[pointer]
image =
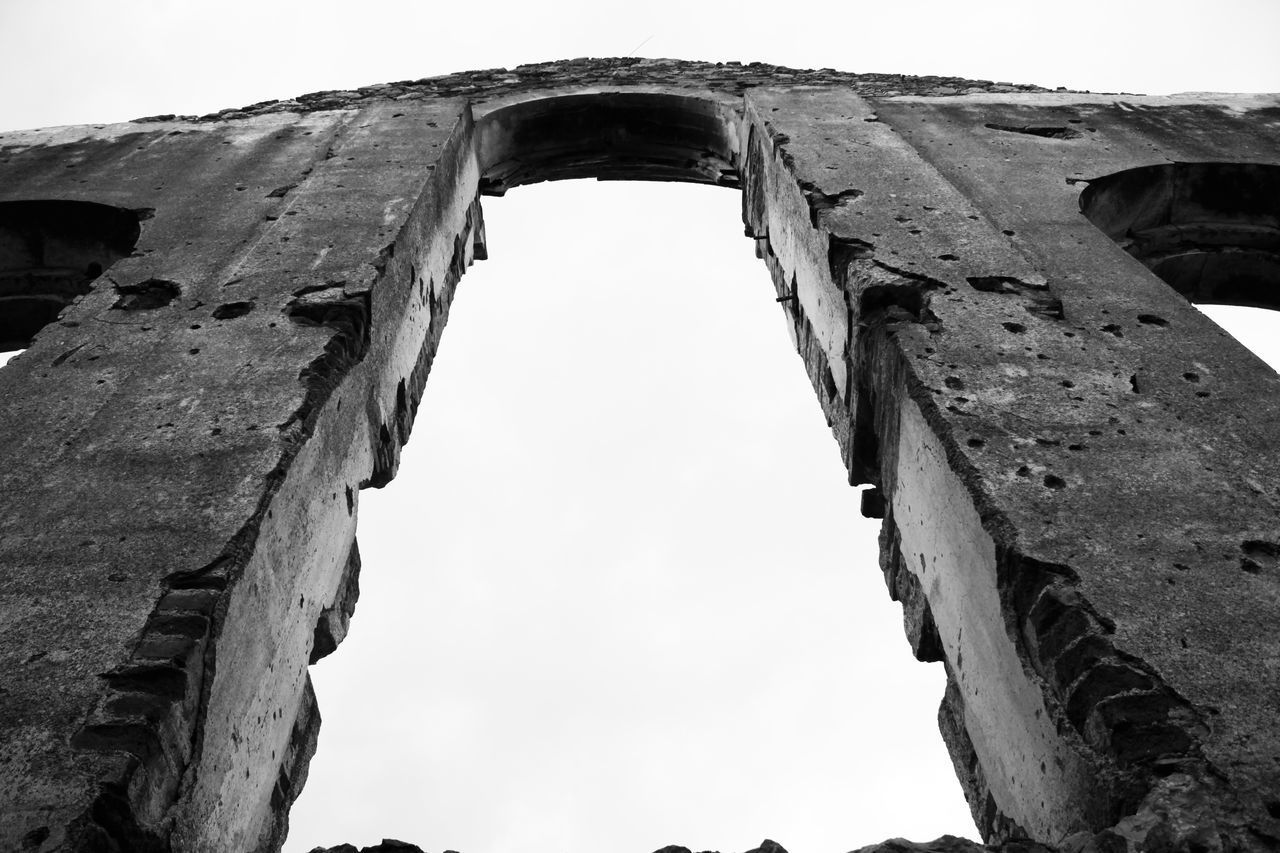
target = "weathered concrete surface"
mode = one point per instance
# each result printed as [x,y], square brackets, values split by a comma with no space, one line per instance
[1077,471]
[194,504]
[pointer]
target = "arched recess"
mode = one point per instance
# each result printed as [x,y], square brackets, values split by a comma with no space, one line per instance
[1209,230]
[50,252]
[615,136]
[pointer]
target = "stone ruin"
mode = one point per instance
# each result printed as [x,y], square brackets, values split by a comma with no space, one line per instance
[229,320]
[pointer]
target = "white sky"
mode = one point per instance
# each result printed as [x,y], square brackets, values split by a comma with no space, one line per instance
[620,596]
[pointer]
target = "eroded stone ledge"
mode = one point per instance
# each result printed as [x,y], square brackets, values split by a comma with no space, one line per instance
[733,77]
[942,844]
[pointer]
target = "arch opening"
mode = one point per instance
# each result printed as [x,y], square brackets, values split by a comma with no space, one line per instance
[50,253]
[1211,231]
[690,668]
[618,136]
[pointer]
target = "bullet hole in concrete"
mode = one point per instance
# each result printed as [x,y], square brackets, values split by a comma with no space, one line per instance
[1152,320]
[976,442]
[1202,393]
[1075,447]
[1052,481]
[1183,641]
[35,837]
[954,383]
[1000,284]
[1067,383]
[1024,471]
[1133,383]
[1191,377]
[1016,328]
[193,351]
[195,326]
[948,257]
[216,431]
[147,295]
[231,310]
[1042,131]
[1259,554]
[1008,233]
[1113,329]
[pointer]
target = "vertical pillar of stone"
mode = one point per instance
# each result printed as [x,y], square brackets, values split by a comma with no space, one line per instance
[183,452]
[1018,389]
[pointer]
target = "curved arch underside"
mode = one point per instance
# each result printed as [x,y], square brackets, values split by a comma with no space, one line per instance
[1210,230]
[615,136]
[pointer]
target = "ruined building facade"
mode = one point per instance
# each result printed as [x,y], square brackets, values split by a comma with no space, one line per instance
[231,318]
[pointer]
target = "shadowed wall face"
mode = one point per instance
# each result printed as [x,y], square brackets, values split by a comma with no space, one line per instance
[50,252]
[1069,524]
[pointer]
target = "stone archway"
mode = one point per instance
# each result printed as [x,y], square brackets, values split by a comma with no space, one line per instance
[1087,544]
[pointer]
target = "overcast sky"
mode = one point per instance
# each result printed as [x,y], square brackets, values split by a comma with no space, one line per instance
[620,596]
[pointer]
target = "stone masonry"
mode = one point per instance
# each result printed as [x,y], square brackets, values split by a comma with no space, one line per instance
[229,321]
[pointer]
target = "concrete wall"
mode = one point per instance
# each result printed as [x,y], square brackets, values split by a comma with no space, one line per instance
[1076,470]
